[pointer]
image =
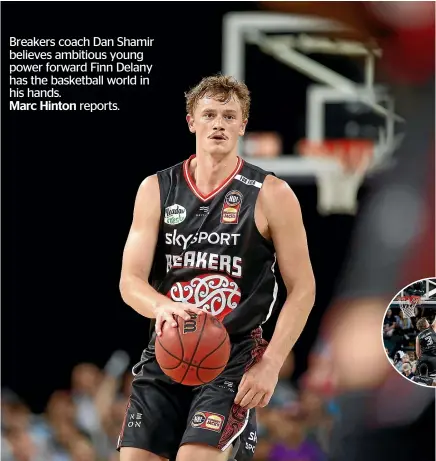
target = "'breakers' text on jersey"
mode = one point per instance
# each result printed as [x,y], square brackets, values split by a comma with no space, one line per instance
[202,260]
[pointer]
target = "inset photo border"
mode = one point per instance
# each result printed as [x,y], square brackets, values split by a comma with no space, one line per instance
[409,332]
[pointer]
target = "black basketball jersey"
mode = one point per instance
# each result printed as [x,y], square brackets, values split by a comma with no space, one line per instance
[210,252]
[427,341]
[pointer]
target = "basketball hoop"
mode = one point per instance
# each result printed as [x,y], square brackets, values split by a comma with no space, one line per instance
[408,305]
[338,187]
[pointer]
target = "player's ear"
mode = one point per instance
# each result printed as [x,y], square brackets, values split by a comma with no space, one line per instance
[242,129]
[190,120]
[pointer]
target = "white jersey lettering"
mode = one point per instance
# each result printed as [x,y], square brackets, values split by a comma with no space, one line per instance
[179,240]
[232,265]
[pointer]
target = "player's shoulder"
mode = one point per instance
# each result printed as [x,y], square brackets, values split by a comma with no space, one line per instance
[148,185]
[254,169]
[171,168]
[168,177]
[161,177]
[271,183]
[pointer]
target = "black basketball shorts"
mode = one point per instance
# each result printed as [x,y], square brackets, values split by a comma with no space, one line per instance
[162,415]
[430,361]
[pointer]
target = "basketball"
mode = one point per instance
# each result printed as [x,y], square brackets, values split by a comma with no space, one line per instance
[195,352]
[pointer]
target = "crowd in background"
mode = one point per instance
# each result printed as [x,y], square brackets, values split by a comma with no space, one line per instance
[83,422]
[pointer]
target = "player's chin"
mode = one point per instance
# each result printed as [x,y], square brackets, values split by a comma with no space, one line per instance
[221,147]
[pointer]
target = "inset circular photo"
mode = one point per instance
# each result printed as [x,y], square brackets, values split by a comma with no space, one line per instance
[409,332]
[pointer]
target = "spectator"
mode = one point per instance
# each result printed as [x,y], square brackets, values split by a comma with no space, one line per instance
[400,358]
[407,370]
[85,381]
[389,324]
[293,426]
[285,394]
[404,325]
[390,358]
[82,450]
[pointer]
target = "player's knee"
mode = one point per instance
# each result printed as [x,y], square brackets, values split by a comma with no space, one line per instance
[201,452]
[136,454]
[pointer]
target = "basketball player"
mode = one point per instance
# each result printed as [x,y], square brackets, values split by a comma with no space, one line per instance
[217,222]
[426,344]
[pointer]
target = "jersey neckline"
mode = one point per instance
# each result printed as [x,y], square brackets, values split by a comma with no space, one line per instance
[225,183]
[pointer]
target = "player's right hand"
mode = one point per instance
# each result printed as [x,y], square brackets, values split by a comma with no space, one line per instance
[169,312]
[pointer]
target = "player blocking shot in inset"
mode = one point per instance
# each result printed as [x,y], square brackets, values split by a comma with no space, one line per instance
[409,332]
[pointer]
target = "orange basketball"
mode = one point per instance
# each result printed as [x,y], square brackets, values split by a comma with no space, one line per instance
[195,352]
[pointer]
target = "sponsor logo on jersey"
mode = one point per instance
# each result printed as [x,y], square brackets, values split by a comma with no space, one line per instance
[214,293]
[203,211]
[252,442]
[207,420]
[174,214]
[213,238]
[231,207]
[135,420]
[214,422]
[227,385]
[249,182]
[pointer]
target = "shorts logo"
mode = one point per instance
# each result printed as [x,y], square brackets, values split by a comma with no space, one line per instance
[198,419]
[174,214]
[207,420]
[231,207]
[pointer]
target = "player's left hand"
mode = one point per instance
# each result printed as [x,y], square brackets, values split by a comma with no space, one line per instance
[257,385]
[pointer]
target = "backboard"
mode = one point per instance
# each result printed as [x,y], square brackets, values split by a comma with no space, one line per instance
[337,106]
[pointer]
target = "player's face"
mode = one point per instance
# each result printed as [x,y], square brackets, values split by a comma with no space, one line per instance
[217,125]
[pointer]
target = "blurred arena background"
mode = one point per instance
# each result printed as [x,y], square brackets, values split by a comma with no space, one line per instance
[346,116]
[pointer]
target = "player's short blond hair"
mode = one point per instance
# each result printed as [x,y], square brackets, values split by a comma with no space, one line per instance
[420,324]
[221,88]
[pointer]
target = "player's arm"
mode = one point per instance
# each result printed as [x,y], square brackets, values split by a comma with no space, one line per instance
[285,223]
[282,211]
[138,257]
[417,348]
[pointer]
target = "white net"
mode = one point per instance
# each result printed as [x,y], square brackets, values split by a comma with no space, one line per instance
[408,305]
[337,191]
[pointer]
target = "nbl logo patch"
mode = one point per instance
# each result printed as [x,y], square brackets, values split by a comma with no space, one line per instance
[206,420]
[198,419]
[231,207]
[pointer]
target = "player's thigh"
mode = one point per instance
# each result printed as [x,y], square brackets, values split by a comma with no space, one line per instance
[428,361]
[200,452]
[137,454]
[431,364]
[156,414]
[214,418]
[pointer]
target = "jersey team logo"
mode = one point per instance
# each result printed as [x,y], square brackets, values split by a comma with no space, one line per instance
[231,207]
[174,214]
[206,420]
[214,293]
